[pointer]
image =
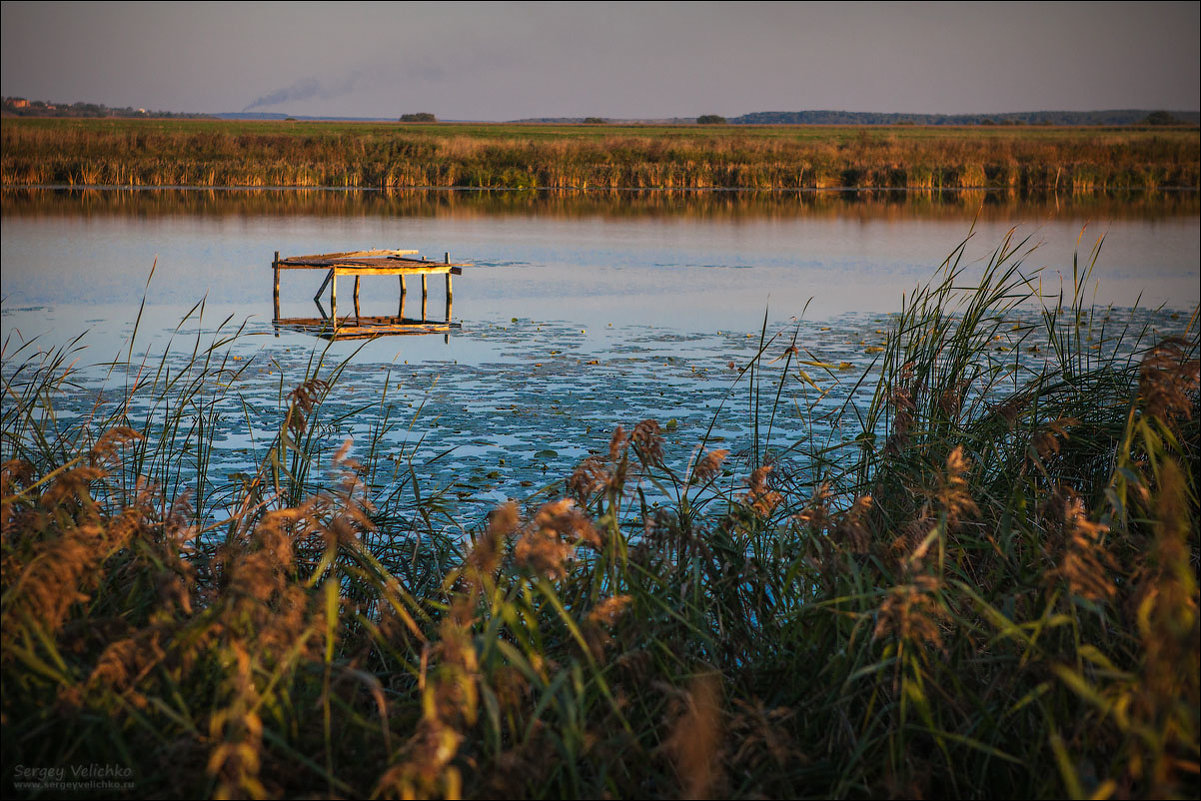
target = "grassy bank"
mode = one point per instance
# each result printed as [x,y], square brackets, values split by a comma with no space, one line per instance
[987,590]
[226,153]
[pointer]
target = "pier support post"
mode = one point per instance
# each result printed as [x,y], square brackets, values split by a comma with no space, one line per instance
[356,298]
[424,294]
[403,291]
[275,292]
[333,296]
[450,291]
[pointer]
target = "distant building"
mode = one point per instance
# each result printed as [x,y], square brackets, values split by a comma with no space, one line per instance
[20,102]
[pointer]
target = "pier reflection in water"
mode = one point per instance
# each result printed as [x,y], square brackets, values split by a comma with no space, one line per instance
[364,327]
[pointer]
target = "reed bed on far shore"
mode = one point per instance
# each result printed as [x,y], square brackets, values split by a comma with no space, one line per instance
[892,204]
[225,153]
[988,589]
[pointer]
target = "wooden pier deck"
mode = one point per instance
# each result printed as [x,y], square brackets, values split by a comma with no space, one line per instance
[360,263]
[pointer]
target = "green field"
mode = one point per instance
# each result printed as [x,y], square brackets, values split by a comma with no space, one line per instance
[369,155]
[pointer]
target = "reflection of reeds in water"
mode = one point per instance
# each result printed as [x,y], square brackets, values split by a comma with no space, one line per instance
[985,585]
[995,205]
[129,153]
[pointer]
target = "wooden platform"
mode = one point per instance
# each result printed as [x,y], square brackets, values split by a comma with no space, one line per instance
[359,263]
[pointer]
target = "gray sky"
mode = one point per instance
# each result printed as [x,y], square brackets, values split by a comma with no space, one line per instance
[498,61]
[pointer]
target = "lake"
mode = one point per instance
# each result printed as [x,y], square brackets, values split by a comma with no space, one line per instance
[582,312]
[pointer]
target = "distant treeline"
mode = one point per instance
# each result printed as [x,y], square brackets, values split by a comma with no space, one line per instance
[363,155]
[21,107]
[1111,117]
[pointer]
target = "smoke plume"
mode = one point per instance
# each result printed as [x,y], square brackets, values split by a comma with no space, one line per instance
[305,89]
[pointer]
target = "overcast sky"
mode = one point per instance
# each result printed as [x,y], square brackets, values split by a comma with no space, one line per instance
[500,61]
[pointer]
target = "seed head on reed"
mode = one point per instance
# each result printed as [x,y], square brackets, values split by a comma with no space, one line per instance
[54,555]
[105,449]
[125,663]
[760,497]
[951,400]
[648,442]
[709,466]
[1165,613]
[303,400]
[1168,381]
[455,691]
[609,610]
[904,407]
[549,541]
[953,495]
[1086,564]
[816,514]
[1047,439]
[485,555]
[596,472]
[425,771]
[617,444]
[601,619]
[237,731]
[852,530]
[912,612]
[450,700]
[15,475]
[260,599]
[590,476]
[695,739]
[1011,409]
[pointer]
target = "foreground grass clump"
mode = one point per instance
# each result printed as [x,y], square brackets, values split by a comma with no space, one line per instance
[213,153]
[990,591]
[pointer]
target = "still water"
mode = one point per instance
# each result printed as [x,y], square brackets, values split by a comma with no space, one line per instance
[580,314]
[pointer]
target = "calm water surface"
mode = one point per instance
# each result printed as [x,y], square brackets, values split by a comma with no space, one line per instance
[578,316]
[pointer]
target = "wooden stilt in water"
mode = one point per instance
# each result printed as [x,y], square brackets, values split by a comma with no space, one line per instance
[356,298]
[328,277]
[401,312]
[424,294]
[450,292]
[333,296]
[275,292]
